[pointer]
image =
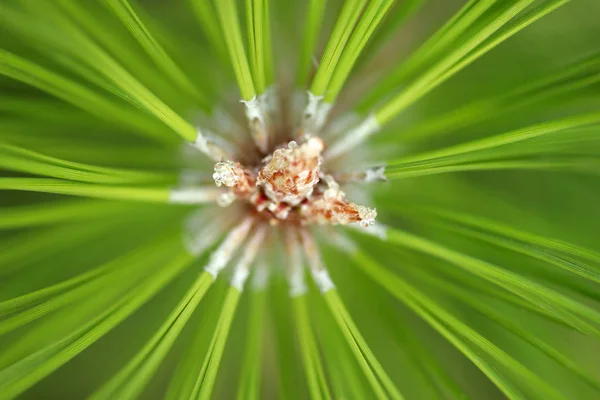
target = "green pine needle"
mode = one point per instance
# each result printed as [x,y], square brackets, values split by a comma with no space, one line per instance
[131,380]
[372,17]
[133,23]
[22,160]
[160,195]
[317,384]
[205,380]
[371,367]
[464,53]
[348,17]
[249,386]
[259,41]
[230,26]
[20,376]
[314,19]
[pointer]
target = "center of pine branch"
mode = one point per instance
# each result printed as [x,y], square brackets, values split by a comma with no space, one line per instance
[290,185]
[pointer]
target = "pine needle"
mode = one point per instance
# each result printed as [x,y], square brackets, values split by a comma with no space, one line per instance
[125,12]
[395,20]
[463,151]
[283,336]
[347,19]
[71,92]
[17,253]
[130,381]
[508,324]
[346,377]
[437,317]
[116,41]
[157,195]
[516,26]
[249,386]
[182,381]
[559,85]
[457,59]
[205,381]
[259,41]
[492,234]
[137,93]
[369,364]
[31,298]
[550,245]
[230,25]
[20,376]
[50,213]
[270,65]
[313,368]
[372,17]
[205,12]
[312,27]
[107,275]
[575,165]
[567,309]
[14,158]
[439,42]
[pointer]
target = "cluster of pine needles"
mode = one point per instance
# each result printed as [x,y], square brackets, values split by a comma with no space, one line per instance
[485,285]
